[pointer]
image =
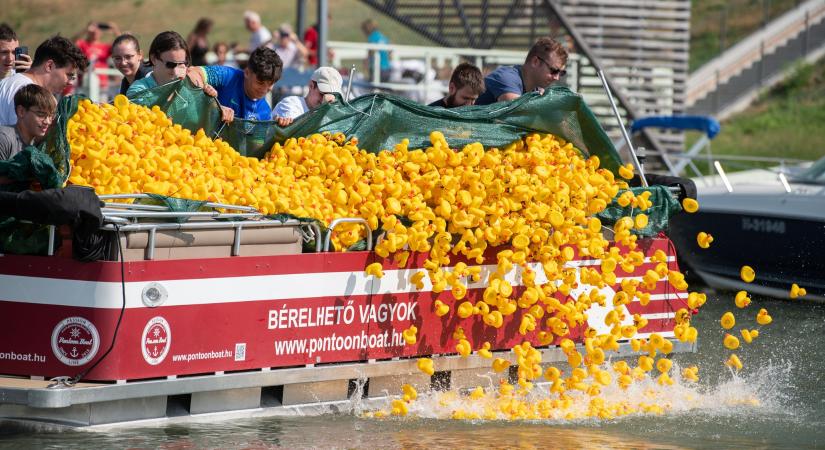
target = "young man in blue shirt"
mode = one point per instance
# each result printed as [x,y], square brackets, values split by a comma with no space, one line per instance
[242,93]
[545,63]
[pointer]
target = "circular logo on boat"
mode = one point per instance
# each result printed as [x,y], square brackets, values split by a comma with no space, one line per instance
[75,341]
[156,340]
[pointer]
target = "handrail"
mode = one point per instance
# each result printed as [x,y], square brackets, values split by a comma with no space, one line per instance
[336,222]
[737,58]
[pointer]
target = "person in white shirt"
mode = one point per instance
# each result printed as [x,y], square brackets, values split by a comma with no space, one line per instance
[259,34]
[56,64]
[291,50]
[325,82]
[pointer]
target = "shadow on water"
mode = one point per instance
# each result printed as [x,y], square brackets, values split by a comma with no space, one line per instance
[783,377]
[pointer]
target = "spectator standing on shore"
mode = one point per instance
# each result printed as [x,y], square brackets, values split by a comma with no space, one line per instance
[169,58]
[258,34]
[9,63]
[374,36]
[128,59]
[221,51]
[55,67]
[466,84]
[198,42]
[325,82]
[96,50]
[242,92]
[289,48]
[34,107]
[311,42]
[545,63]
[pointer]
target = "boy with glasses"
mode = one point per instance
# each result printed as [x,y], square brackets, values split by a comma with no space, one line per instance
[34,107]
[55,66]
[545,64]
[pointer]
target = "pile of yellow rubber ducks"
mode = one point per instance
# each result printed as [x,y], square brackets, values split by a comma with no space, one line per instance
[537,196]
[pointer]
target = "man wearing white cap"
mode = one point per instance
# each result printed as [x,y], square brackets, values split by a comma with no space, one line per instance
[325,82]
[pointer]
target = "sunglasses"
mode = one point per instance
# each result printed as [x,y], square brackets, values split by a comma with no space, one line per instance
[174,64]
[553,71]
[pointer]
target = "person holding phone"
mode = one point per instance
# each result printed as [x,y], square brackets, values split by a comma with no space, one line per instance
[13,57]
[55,66]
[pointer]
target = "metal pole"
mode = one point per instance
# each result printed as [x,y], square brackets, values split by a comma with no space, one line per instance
[301,17]
[323,31]
[621,126]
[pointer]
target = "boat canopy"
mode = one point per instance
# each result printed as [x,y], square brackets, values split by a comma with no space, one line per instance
[705,124]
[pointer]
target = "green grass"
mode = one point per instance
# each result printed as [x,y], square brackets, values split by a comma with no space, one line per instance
[786,121]
[35,20]
[742,17]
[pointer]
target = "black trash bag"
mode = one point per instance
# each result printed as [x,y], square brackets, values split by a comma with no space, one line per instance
[687,188]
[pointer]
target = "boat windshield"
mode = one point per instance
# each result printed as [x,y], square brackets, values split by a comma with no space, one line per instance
[814,174]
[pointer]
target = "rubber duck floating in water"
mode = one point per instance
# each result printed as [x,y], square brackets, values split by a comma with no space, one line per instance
[797,291]
[728,321]
[763,318]
[734,362]
[731,342]
[749,335]
[742,300]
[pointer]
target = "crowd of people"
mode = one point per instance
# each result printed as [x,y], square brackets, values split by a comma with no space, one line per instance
[29,84]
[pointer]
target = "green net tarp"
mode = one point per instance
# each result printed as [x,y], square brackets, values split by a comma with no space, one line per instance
[658,215]
[381,121]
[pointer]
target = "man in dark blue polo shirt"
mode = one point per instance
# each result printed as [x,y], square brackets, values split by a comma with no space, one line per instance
[545,64]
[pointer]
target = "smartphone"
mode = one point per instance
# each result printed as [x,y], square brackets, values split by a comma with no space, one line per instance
[20,51]
[103,26]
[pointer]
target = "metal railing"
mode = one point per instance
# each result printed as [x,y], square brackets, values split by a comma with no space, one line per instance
[795,24]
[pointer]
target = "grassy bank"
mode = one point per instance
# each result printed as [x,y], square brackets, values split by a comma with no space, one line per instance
[786,121]
[35,20]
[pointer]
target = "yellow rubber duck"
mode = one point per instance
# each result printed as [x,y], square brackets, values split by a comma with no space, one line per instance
[690,205]
[646,363]
[663,365]
[763,318]
[704,239]
[730,341]
[734,362]
[728,321]
[410,394]
[426,365]
[410,335]
[484,351]
[375,270]
[465,310]
[477,393]
[441,309]
[749,335]
[464,348]
[691,373]
[742,299]
[747,274]
[399,408]
[500,365]
[797,291]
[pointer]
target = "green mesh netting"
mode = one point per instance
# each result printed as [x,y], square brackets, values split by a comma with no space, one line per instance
[658,215]
[380,121]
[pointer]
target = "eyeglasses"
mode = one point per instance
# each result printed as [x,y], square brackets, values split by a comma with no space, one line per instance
[42,115]
[174,64]
[553,71]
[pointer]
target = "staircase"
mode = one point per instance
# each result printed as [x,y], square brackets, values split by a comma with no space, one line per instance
[642,46]
[730,82]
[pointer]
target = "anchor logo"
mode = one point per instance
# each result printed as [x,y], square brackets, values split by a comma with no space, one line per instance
[156,340]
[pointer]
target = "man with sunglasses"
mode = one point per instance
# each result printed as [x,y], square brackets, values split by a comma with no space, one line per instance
[544,65]
[34,107]
[55,66]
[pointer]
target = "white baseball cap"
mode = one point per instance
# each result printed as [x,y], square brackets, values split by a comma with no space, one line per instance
[327,79]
